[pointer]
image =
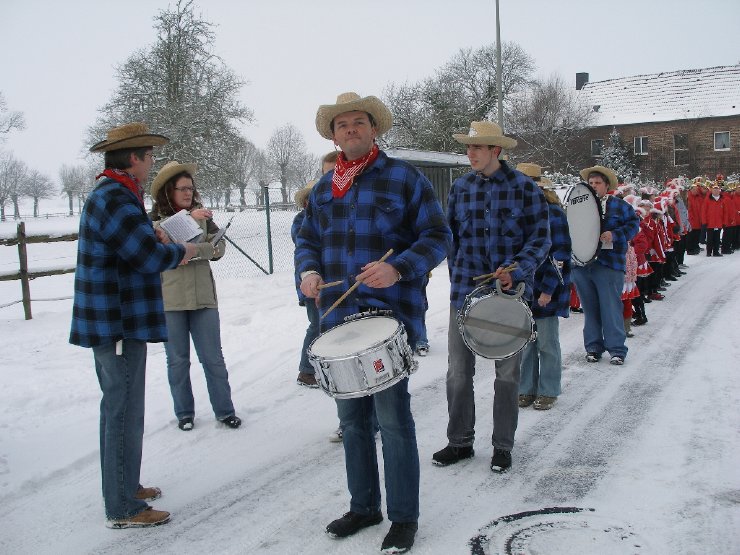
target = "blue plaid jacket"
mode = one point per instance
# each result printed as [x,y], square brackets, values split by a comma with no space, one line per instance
[118,292]
[619,218]
[546,279]
[390,205]
[495,221]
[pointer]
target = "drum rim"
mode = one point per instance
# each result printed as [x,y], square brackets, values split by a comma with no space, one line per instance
[399,328]
[576,259]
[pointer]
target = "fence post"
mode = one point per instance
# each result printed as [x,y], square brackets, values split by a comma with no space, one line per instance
[269,230]
[23,259]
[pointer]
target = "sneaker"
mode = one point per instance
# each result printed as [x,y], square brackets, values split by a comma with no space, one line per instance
[186,424]
[501,460]
[544,403]
[146,518]
[526,400]
[148,494]
[422,349]
[307,380]
[593,357]
[232,421]
[617,361]
[351,523]
[400,537]
[451,455]
[336,436]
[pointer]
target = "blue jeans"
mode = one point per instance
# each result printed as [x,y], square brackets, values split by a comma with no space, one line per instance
[122,378]
[312,332]
[461,397]
[600,290]
[204,326]
[541,361]
[400,453]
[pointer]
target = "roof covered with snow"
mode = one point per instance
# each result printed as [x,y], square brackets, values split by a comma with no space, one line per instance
[667,96]
[432,158]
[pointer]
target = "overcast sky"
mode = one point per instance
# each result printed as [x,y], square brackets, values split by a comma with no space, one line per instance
[57,58]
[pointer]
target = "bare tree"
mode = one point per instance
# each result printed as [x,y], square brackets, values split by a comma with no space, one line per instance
[9,120]
[12,174]
[549,120]
[246,163]
[426,113]
[37,185]
[286,151]
[75,183]
[180,88]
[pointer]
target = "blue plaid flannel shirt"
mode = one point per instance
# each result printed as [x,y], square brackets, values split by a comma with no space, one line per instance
[295,227]
[546,278]
[495,221]
[619,218]
[390,205]
[117,288]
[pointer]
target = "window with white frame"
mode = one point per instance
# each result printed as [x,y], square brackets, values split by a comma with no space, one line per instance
[681,149]
[641,145]
[597,146]
[721,140]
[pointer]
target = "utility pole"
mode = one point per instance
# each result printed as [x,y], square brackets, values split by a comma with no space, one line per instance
[498,72]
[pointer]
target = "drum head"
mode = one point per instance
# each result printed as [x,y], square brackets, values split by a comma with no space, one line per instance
[583,211]
[354,337]
[497,327]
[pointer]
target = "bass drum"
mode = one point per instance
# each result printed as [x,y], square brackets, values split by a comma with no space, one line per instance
[495,324]
[583,212]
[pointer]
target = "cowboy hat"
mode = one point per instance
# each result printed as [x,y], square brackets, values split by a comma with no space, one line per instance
[351,102]
[301,195]
[611,177]
[169,170]
[485,133]
[529,169]
[130,135]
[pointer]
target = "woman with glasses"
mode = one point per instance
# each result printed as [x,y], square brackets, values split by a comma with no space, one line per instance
[190,302]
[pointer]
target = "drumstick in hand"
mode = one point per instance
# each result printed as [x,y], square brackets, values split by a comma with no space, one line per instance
[499,272]
[354,286]
[330,284]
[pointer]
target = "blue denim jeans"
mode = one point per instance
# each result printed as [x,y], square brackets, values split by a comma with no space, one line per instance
[600,290]
[312,332]
[541,361]
[461,396]
[122,378]
[204,327]
[400,453]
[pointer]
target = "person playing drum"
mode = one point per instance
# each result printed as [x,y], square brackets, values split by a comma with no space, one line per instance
[368,205]
[599,283]
[498,218]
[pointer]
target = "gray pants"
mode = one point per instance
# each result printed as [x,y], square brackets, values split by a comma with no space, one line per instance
[461,397]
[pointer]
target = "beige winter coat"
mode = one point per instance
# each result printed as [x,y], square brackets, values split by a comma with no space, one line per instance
[191,286]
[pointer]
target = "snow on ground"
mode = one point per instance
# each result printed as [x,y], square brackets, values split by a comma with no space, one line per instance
[645,454]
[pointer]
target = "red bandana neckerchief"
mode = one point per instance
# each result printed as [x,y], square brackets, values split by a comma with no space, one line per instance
[345,171]
[125,179]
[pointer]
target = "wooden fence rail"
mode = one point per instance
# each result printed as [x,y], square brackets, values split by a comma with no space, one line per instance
[21,239]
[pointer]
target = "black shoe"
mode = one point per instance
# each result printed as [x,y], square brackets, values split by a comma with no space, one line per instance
[351,523]
[717,254]
[185,424]
[232,421]
[593,357]
[501,460]
[451,455]
[576,310]
[647,300]
[400,537]
[640,322]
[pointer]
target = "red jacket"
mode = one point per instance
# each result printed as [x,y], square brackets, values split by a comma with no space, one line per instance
[730,212]
[736,206]
[696,198]
[713,212]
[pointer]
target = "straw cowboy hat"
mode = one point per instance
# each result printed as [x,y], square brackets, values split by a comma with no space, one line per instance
[611,177]
[169,170]
[351,102]
[485,133]
[535,172]
[131,135]
[301,195]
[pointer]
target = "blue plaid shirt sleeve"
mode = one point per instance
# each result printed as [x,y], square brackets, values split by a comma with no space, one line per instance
[621,220]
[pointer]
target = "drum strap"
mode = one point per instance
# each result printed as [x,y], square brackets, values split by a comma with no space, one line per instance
[494,326]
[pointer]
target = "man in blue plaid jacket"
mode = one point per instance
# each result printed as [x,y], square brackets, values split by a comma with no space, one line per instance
[498,218]
[368,204]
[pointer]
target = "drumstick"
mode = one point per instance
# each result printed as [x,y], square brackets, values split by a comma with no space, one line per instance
[330,284]
[354,286]
[502,271]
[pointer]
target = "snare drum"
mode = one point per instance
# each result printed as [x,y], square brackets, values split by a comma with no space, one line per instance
[583,212]
[495,324]
[362,356]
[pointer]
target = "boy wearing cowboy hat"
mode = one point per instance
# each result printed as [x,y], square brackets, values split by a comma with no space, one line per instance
[600,282]
[369,204]
[118,309]
[498,218]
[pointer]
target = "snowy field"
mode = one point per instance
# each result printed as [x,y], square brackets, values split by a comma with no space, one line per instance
[639,459]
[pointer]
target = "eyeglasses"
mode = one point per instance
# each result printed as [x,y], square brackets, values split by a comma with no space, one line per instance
[185,189]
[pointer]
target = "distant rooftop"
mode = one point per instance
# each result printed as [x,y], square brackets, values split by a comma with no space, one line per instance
[428,157]
[667,96]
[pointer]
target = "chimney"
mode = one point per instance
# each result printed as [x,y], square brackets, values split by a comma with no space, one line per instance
[581,79]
